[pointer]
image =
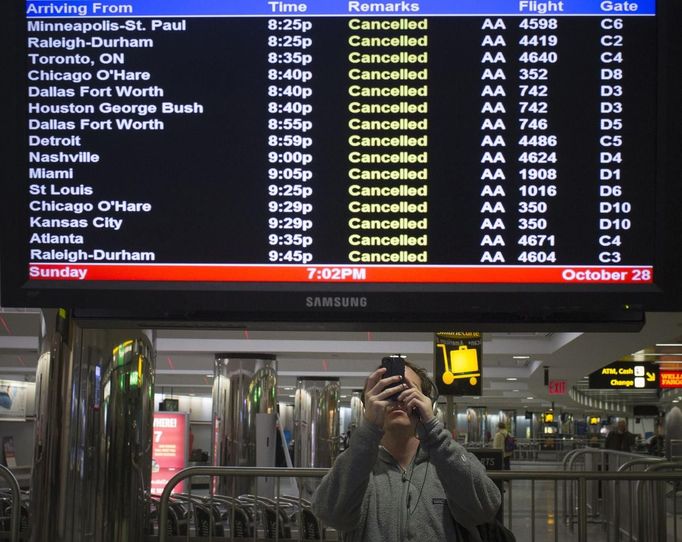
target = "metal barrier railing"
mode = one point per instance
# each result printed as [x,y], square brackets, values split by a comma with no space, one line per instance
[595,459]
[539,449]
[547,449]
[647,525]
[580,477]
[15,518]
[622,510]
[617,508]
[231,503]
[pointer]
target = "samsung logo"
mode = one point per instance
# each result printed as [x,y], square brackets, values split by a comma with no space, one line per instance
[335,302]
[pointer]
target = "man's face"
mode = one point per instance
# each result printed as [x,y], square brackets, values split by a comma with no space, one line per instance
[621,426]
[397,416]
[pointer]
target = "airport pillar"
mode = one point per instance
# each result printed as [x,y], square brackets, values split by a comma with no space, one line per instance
[673,434]
[316,426]
[316,422]
[477,424]
[93,433]
[357,409]
[244,419]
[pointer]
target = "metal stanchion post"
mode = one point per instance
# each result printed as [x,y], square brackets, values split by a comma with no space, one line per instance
[556,511]
[532,510]
[582,509]
[509,504]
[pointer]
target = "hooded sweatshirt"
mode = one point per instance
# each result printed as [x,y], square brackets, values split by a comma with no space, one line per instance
[368,496]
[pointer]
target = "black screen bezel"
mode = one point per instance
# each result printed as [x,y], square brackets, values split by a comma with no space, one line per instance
[415,305]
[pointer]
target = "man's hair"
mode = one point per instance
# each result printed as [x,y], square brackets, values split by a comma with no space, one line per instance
[501,425]
[426,384]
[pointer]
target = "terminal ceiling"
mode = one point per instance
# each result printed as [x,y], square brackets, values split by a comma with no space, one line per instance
[513,362]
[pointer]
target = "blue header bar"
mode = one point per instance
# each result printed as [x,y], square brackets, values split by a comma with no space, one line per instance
[336,8]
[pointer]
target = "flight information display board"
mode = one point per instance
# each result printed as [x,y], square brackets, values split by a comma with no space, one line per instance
[432,142]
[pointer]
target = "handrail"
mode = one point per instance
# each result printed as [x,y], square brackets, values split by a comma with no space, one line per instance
[581,476]
[570,454]
[600,451]
[640,460]
[16,502]
[587,475]
[531,447]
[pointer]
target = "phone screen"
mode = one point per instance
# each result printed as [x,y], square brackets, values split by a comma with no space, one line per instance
[395,365]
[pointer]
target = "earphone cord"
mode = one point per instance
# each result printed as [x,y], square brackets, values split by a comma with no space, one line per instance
[409,483]
[434,400]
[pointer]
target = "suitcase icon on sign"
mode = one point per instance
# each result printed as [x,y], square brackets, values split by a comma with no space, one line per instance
[463,363]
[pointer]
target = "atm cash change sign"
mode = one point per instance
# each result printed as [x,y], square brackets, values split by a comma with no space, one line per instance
[625,375]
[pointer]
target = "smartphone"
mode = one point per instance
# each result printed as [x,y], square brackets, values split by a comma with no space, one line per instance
[395,365]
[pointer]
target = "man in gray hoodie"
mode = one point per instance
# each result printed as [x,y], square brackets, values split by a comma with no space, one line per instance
[403,476]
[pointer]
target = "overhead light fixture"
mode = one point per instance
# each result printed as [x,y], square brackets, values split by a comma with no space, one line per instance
[516,390]
[676,400]
[529,398]
[512,379]
[520,357]
[209,376]
[669,344]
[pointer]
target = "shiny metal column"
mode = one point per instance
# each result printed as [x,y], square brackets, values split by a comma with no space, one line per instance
[477,424]
[673,434]
[357,410]
[566,423]
[125,461]
[77,475]
[316,427]
[244,420]
[536,426]
[316,422]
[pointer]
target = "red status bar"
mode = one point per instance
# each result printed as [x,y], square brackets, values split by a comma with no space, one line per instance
[339,273]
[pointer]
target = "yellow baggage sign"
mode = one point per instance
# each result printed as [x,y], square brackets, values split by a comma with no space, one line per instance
[463,364]
[457,363]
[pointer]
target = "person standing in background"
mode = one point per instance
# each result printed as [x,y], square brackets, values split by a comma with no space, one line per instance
[498,442]
[620,438]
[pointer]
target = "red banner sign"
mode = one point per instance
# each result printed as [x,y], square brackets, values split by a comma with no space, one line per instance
[169,449]
[670,379]
[328,273]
